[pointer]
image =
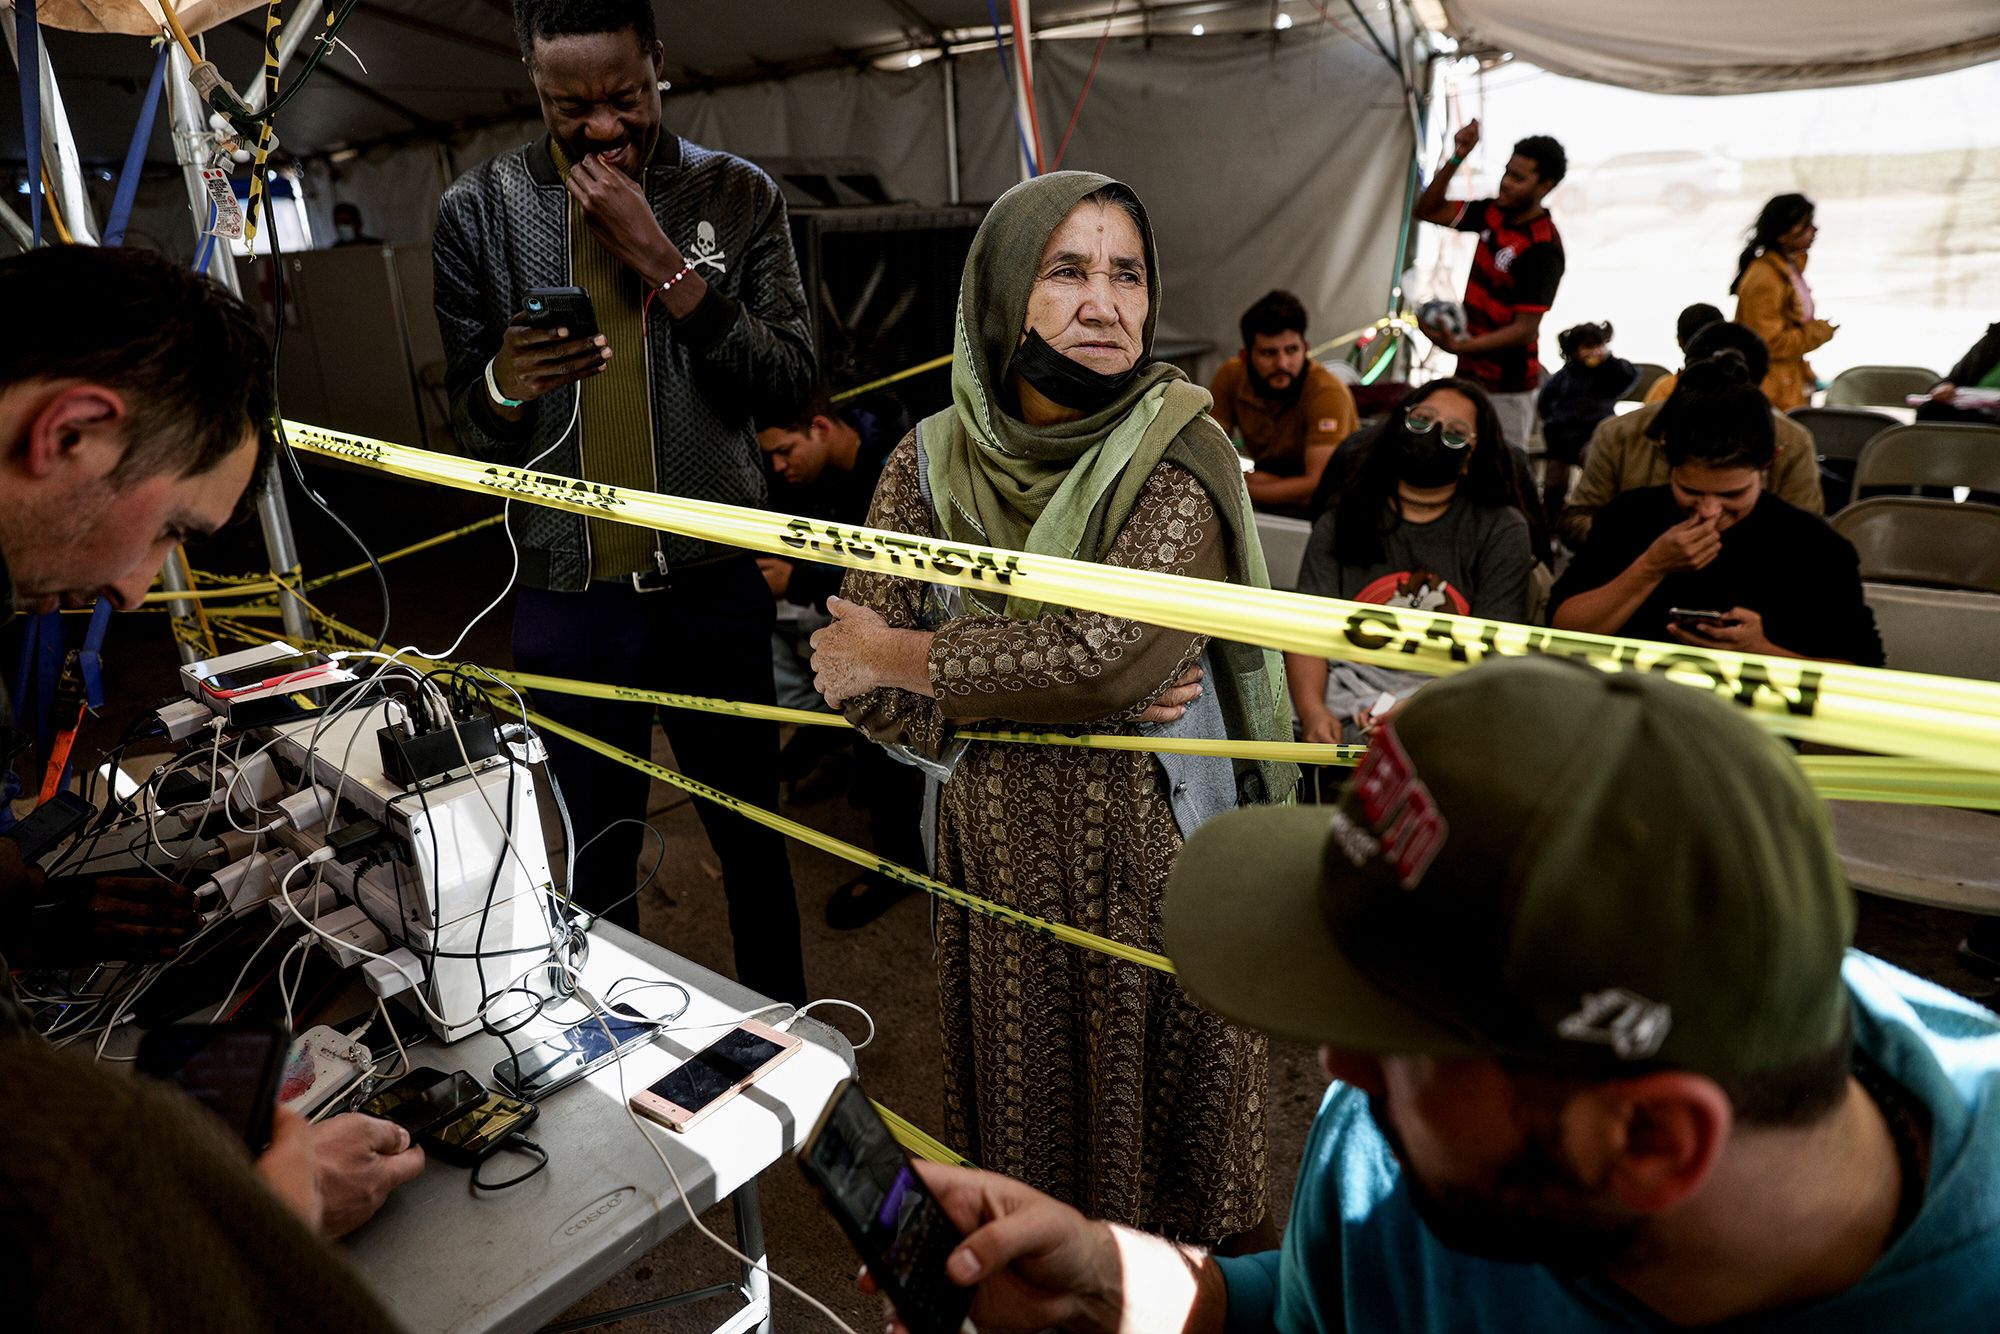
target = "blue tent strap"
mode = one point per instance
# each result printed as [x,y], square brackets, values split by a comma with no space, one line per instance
[135,155]
[28,42]
[88,661]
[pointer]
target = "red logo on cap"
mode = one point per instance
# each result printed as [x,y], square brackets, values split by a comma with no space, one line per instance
[1399,808]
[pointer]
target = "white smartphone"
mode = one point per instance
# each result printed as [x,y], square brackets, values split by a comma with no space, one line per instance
[685,1095]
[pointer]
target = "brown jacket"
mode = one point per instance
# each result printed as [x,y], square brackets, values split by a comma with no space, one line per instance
[1767,303]
[1622,457]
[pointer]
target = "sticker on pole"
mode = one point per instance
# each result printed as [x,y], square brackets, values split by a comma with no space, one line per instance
[228,213]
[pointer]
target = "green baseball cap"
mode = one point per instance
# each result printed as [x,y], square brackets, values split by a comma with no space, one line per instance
[1539,862]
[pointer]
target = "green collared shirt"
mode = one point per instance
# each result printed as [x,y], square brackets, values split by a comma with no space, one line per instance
[614,427]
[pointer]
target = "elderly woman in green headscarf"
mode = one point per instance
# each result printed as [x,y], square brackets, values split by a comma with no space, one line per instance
[1093,1079]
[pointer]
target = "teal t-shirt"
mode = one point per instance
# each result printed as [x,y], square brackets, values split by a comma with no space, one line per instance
[1356,1257]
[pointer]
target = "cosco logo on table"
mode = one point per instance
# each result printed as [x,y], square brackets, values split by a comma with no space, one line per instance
[592,1214]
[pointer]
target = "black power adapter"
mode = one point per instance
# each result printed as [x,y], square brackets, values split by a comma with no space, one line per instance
[411,758]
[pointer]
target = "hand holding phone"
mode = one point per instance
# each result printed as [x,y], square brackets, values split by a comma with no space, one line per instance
[551,343]
[232,1069]
[888,1212]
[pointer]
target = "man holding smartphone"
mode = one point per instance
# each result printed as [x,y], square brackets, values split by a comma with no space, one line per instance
[126,426]
[1602,1058]
[687,260]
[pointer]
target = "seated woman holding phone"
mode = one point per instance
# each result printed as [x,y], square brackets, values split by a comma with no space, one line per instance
[1712,559]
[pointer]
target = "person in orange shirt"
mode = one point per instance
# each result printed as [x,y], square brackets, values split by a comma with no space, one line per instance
[1286,412]
[1773,299]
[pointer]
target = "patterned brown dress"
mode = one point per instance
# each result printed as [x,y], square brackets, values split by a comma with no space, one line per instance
[1094,1080]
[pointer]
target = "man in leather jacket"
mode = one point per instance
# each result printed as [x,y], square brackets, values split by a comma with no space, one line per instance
[701,323]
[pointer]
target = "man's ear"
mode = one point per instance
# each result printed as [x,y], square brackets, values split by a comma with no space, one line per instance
[821,427]
[81,426]
[1660,1136]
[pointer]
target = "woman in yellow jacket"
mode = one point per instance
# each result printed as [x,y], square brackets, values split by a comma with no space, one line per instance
[1772,297]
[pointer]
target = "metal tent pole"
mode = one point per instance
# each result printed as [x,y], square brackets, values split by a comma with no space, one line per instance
[59,157]
[949,63]
[296,32]
[194,144]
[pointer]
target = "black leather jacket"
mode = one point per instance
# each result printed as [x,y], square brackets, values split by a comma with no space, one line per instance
[503,227]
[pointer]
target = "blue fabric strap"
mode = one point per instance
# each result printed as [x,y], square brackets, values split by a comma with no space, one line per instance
[88,661]
[135,155]
[28,42]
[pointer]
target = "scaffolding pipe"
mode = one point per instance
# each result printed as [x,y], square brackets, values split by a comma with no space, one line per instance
[194,145]
[950,66]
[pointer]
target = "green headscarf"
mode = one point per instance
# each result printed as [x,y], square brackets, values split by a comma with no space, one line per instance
[1067,489]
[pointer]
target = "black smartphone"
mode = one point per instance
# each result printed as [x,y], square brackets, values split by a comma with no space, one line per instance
[466,1139]
[561,308]
[426,1098]
[559,1061]
[48,825]
[232,1069]
[1690,616]
[900,1229]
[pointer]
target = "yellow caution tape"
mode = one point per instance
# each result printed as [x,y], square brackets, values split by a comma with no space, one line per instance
[917,1141]
[1387,321]
[1299,751]
[906,373]
[1952,721]
[846,851]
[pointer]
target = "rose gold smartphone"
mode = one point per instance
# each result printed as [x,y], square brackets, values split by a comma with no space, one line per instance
[685,1095]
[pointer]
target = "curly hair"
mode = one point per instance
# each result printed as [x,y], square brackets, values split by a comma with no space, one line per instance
[1551,163]
[582,18]
[1275,313]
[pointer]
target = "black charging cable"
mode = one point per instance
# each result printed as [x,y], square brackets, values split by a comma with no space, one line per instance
[519,1145]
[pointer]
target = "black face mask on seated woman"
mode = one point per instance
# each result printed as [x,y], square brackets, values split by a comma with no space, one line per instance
[1429,453]
[1065,382]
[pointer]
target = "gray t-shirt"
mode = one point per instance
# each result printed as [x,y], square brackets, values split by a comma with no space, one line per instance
[1473,560]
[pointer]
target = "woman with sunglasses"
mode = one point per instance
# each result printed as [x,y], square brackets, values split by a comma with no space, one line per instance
[1428,509]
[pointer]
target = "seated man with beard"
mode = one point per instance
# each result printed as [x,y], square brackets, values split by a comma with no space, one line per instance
[1576,946]
[1285,411]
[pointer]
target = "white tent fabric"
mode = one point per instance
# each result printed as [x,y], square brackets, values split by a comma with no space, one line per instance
[1264,162]
[1728,46]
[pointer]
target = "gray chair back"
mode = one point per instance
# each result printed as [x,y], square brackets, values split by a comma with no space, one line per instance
[1943,631]
[1932,454]
[1284,542]
[1879,386]
[1934,543]
[1839,433]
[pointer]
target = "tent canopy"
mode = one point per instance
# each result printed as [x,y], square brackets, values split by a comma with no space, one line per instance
[435,66]
[1727,46]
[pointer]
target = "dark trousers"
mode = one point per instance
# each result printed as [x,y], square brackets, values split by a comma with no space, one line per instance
[707,633]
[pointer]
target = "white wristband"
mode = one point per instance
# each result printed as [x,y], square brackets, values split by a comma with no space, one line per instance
[493,390]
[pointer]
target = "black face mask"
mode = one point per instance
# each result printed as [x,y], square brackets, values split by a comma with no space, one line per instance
[1424,460]
[1065,382]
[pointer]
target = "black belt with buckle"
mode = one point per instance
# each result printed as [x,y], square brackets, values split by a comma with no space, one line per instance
[659,581]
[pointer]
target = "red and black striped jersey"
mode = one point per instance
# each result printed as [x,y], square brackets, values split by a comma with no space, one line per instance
[1515,269]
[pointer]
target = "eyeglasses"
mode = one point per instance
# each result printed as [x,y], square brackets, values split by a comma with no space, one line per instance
[1423,422]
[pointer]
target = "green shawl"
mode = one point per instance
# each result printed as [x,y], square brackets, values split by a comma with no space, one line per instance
[1067,490]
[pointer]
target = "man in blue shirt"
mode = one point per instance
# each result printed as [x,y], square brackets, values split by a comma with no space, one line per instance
[1576,946]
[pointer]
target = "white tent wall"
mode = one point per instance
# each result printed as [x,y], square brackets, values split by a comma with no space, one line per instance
[1266,161]
[1725,46]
